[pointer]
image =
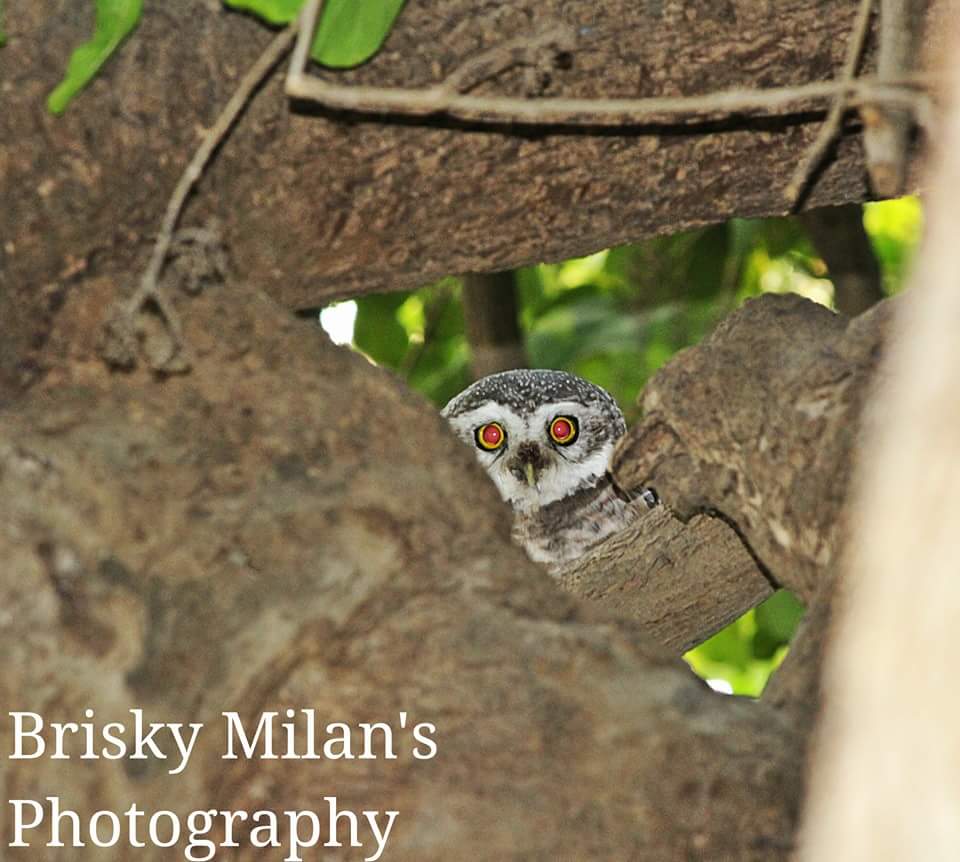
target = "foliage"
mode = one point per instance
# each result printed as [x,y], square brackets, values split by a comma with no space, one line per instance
[746,652]
[3,29]
[350,32]
[894,228]
[114,21]
[615,317]
[419,334]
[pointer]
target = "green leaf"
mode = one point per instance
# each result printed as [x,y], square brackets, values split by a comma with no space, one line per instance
[777,620]
[115,19]
[378,332]
[894,227]
[352,31]
[272,11]
[3,30]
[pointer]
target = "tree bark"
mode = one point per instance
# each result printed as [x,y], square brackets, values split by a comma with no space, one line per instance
[840,238]
[493,328]
[255,535]
[885,783]
[289,527]
[191,546]
[682,582]
[759,425]
[318,205]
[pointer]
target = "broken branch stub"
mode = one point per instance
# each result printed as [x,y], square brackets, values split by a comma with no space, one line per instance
[682,582]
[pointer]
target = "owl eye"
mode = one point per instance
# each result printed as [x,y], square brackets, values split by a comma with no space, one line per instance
[564,430]
[490,436]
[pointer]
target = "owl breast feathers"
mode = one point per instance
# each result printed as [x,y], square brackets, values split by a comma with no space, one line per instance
[545,438]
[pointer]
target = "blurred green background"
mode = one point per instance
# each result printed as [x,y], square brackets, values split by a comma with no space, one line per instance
[614,318]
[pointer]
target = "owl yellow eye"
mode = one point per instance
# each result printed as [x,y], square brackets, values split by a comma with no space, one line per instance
[490,436]
[563,430]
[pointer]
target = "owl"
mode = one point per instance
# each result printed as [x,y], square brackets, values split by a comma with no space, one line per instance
[545,438]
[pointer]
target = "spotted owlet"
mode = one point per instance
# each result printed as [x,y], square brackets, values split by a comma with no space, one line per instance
[545,438]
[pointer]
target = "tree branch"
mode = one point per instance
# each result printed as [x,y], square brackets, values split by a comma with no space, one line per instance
[887,128]
[493,330]
[120,326]
[446,98]
[760,422]
[841,240]
[682,582]
[357,570]
[884,779]
[832,123]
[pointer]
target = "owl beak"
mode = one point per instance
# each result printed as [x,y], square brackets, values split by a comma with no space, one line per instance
[531,474]
[528,464]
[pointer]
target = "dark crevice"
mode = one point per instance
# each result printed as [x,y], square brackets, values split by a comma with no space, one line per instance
[763,568]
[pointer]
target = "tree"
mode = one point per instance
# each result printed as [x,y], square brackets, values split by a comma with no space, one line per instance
[286,526]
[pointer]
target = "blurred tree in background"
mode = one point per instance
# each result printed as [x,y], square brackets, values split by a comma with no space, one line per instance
[614,318]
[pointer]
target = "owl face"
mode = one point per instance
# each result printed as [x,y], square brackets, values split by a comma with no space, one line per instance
[541,435]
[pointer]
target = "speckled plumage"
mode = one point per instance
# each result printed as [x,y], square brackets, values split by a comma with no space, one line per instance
[564,499]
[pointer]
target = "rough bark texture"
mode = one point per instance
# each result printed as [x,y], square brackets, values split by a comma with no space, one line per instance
[885,780]
[190,546]
[759,425]
[316,207]
[683,582]
[257,534]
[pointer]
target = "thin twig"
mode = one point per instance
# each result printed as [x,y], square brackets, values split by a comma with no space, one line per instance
[149,288]
[443,99]
[831,127]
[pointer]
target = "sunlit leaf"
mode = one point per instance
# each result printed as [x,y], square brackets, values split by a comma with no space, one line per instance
[114,21]
[272,11]
[583,270]
[378,332]
[777,619]
[728,655]
[352,31]
[894,228]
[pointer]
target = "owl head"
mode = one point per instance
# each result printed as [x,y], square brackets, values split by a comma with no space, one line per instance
[541,435]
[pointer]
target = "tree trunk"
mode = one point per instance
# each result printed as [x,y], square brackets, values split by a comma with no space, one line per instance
[841,240]
[885,783]
[491,317]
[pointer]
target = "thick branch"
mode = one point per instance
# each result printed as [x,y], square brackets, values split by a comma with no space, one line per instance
[885,783]
[205,544]
[318,205]
[887,128]
[682,582]
[760,423]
